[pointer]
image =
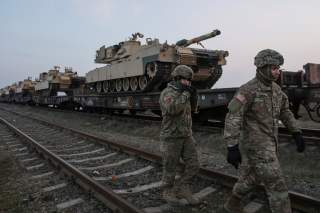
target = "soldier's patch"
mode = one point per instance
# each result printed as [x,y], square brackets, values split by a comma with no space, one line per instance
[258,99]
[167,99]
[241,98]
[234,105]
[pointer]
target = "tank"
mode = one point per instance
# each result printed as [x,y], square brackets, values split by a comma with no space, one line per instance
[53,81]
[132,66]
[6,90]
[13,88]
[26,86]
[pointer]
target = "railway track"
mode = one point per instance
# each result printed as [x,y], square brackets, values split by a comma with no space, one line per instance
[123,177]
[41,187]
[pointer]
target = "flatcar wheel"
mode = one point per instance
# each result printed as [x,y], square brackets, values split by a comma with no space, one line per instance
[133,83]
[143,82]
[99,87]
[125,84]
[105,86]
[118,85]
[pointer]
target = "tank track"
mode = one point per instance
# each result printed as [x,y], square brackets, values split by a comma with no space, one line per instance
[215,76]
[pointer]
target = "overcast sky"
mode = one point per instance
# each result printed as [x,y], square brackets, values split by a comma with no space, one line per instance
[35,35]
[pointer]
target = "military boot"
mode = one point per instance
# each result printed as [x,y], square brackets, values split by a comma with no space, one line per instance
[184,191]
[233,204]
[169,195]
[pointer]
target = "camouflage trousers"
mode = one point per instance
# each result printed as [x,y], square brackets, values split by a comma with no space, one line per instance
[264,168]
[172,151]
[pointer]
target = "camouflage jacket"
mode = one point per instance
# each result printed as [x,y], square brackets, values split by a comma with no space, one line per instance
[254,115]
[176,113]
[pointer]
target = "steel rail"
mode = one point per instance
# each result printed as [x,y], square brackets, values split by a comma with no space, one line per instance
[299,201]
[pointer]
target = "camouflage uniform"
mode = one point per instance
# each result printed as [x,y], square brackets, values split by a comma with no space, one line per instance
[255,124]
[176,135]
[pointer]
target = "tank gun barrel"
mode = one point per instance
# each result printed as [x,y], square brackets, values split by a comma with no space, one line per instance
[185,42]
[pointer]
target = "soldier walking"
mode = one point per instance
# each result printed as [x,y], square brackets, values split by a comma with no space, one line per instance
[176,138]
[254,113]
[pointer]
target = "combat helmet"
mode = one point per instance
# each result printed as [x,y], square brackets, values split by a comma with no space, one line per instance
[182,71]
[268,57]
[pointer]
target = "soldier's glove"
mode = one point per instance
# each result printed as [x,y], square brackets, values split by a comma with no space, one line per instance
[193,97]
[187,88]
[234,156]
[299,141]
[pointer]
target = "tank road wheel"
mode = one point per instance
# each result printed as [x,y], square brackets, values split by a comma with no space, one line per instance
[105,86]
[143,82]
[151,69]
[99,87]
[112,85]
[118,85]
[125,84]
[133,83]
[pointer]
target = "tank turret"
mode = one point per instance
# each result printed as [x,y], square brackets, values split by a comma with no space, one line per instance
[132,66]
[25,86]
[55,81]
[122,50]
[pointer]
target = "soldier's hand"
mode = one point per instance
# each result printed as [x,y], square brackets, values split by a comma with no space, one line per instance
[191,89]
[193,97]
[234,156]
[299,141]
[187,88]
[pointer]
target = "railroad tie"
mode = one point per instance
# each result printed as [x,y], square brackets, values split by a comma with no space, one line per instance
[252,207]
[165,207]
[43,175]
[72,149]
[63,145]
[140,188]
[6,136]
[107,165]
[12,142]
[19,149]
[22,154]
[83,153]
[29,159]
[128,174]
[35,166]
[68,204]
[55,187]
[15,145]
[93,158]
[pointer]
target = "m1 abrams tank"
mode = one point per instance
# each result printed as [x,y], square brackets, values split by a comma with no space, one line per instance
[135,67]
[24,91]
[53,81]
[25,86]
